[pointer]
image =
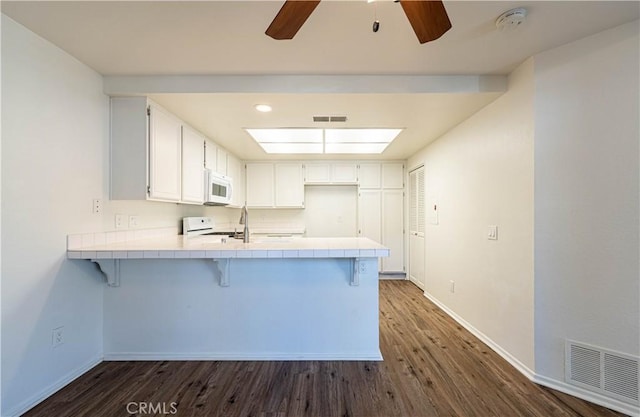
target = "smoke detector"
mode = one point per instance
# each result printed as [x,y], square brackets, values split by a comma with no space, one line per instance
[511,20]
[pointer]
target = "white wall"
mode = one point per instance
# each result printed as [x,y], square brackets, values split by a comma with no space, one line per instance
[55,161]
[587,196]
[54,147]
[479,174]
[331,210]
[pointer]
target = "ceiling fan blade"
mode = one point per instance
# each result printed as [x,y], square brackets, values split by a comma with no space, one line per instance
[290,18]
[428,18]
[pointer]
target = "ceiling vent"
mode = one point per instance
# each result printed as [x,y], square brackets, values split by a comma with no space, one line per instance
[330,119]
[603,371]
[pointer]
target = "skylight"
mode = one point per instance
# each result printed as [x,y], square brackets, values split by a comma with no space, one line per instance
[328,141]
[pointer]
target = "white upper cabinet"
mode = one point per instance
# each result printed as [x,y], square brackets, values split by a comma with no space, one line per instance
[275,185]
[146,151]
[236,172]
[392,175]
[317,173]
[330,173]
[344,172]
[192,166]
[211,155]
[165,155]
[260,184]
[369,175]
[289,189]
[221,162]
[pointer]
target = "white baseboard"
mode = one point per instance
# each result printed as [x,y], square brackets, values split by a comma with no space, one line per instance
[587,395]
[38,397]
[418,283]
[561,386]
[235,356]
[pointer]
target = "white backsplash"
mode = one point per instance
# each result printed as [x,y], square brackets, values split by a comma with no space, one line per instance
[263,220]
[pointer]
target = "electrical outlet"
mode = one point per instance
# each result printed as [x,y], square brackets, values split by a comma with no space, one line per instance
[133,222]
[492,233]
[97,205]
[57,336]
[452,286]
[121,221]
[363,268]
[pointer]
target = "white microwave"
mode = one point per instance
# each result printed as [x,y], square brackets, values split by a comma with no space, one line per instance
[218,189]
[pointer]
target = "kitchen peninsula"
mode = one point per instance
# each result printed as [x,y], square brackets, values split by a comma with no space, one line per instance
[176,298]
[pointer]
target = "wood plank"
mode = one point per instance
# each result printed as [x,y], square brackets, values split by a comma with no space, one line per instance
[432,367]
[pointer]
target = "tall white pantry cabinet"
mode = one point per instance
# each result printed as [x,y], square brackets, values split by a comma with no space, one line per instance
[381,210]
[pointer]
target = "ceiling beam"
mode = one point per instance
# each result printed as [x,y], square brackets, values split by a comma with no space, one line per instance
[304,84]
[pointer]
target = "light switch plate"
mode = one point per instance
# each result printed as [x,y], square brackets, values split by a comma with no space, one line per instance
[492,233]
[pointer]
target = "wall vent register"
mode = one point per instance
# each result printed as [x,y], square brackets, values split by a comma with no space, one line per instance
[606,372]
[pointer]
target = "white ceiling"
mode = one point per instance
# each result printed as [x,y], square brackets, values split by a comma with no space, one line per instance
[227,37]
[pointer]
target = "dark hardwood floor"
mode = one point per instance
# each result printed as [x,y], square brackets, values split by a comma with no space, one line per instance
[431,367]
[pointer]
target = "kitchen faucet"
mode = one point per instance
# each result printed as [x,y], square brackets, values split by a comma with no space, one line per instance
[244,219]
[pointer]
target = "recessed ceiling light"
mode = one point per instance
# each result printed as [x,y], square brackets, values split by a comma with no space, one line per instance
[263,108]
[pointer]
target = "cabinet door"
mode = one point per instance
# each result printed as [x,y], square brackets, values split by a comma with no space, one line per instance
[235,171]
[211,156]
[317,173]
[260,184]
[221,162]
[369,175]
[192,166]
[289,185]
[165,143]
[344,173]
[393,230]
[392,175]
[370,216]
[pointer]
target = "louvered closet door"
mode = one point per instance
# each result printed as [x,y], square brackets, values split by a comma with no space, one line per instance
[416,227]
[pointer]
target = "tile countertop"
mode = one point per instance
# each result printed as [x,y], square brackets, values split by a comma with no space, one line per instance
[179,246]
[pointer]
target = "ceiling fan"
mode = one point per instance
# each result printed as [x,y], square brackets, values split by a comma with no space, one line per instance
[428,18]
